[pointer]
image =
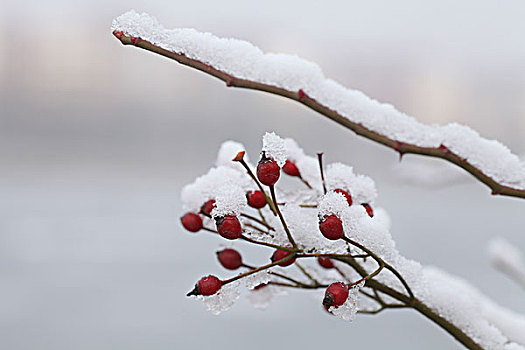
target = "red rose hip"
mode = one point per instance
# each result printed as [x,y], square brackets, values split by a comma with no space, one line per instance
[335,295]
[325,262]
[291,169]
[346,194]
[230,259]
[208,207]
[280,254]
[268,171]
[256,199]
[229,227]
[331,227]
[208,285]
[191,222]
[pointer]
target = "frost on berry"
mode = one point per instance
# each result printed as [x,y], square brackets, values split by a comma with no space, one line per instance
[348,310]
[208,186]
[361,187]
[230,199]
[223,300]
[208,207]
[335,295]
[273,147]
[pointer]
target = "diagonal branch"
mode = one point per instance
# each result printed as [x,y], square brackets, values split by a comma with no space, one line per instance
[442,151]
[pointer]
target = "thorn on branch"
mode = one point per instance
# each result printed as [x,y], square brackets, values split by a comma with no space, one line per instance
[302,95]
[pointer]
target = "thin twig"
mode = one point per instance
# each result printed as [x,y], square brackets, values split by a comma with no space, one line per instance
[281,217]
[320,158]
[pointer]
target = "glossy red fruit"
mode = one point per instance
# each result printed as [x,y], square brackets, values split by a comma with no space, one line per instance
[191,222]
[208,207]
[331,227]
[256,199]
[346,194]
[325,262]
[369,210]
[268,171]
[230,259]
[281,254]
[208,285]
[229,227]
[291,169]
[335,295]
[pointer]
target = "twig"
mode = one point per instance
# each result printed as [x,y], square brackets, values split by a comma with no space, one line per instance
[301,97]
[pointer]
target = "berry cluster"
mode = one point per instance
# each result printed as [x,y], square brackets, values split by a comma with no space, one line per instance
[260,228]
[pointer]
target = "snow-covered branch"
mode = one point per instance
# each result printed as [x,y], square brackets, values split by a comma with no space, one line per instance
[332,223]
[241,64]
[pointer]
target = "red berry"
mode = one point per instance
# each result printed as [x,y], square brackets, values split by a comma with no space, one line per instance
[229,227]
[280,254]
[331,227]
[291,169]
[335,295]
[208,285]
[346,194]
[191,222]
[208,207]
[368,209]
[256,199]
[325,262]
[268,171]
[230,259]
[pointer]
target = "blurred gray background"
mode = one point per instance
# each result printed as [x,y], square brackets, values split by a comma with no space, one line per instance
[97,139]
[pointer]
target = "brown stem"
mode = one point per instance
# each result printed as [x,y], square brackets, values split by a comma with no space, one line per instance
[418,305]
[281,217]
[264,223]
[258,269]
[240,158]
[301,97]
[320,159]
[381,261]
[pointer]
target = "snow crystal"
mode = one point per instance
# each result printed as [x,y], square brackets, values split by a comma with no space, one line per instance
[206,187]
[332,203]
[273,147]
[229,199]
[223,299]
[490,325]
[243,60]
[348,310]
[361,188]
[454,299]
[256,279]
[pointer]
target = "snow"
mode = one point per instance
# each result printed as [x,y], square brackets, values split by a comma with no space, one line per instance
[490,325]
[243,60]
[348,310]
[227,151]
[273,147]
